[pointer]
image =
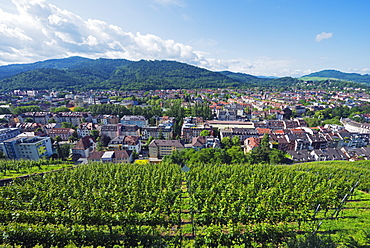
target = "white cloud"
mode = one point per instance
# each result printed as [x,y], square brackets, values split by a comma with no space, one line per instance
[39,31]
[361,71]
[262,66]
[323,36]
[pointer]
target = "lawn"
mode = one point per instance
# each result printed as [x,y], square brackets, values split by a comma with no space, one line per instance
[353,223]
[33,170]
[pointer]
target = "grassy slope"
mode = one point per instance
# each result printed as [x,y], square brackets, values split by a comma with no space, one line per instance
[353,222]
[33,170]
[317,78]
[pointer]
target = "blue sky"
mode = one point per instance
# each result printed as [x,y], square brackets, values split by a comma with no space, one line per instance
[259,37]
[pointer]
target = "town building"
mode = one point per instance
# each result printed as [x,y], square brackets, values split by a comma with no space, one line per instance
[122,142]
[111,130]
[157,132]
[84,147]
[84,129]
[137,120]
[8,133]
[27,147]
[121,156]
[130,130]
[63,133]
[201,142]
[161,148]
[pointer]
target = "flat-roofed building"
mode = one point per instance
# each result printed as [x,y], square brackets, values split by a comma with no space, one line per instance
[27,147]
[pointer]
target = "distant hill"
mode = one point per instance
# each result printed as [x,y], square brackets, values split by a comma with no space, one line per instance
[83,74]
[333,74]
[77,73]
[11,70]
[262,81]
[242,77]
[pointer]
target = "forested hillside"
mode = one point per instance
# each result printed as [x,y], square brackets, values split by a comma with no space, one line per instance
[119,74]
[11,70]
[80,74]
[333,74]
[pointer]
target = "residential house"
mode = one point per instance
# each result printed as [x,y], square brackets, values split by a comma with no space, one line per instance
[84,129]
[355,127]
[37,117]
[157,132]
[201,142]
[121,156]
[130,130]
[328,154]
[84,147]
[301,155]
[105,119]
[278,113]
[111,130]
[242,133]
[353,154]
[9,117]
[300,110]
[75,118]
[132,143]
[122,142]
[280,141]
[64,133]
[192,127]
[137,120]
[161,148]
[116,143]
[251,143]
[226,114]
[317,141]
[27,127]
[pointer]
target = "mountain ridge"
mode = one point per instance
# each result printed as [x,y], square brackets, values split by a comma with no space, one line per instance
[78,73]
[335,74]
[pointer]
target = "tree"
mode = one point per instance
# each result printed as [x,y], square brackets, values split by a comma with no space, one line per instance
[261,153]
[60,109]
[5,111]
[68,125]
[205,133]
[95,133]
[276,156]
[226,142]
[104,139]
[177,157]
[135,155]
[100,146]
[52,120]
[149,140]
[72,138]
[25,109]
[235,141]
[29,120]
[39,129]
[236,154]
[64,151]
[160,134]
[265,142]
[79,109]
[312,122]
[247,110]
[58,139]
